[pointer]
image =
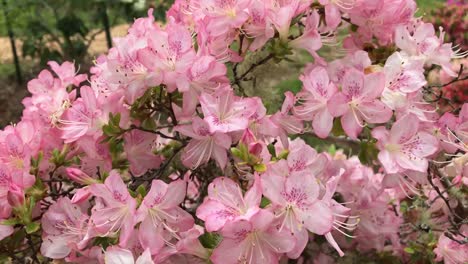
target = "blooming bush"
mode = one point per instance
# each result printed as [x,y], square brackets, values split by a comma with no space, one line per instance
[161,155]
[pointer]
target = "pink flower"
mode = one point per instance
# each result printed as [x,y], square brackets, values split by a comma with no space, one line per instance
[224,112]
[424,44]
[253,240]
[169,52]
[117,255]
[66,73]
[450,251]
[124,69]
[315,96]
[358,101]
[205,75]
[83,118]
[5,230]
[332,10]
[80,177]
[282,123]
[190,243]
[161,216]
[204,145]
[225,203]
[404,146]
[310,40]
[224,15]
[139,149]
[259,26]
[301,158]
[115,208]
[297,207]
[404,74]
[281,15]
[65,228]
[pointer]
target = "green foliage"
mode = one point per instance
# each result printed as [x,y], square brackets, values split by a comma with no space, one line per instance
[210,240]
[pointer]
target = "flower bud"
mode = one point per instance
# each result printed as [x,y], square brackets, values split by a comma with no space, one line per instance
[80,177]
[248,137]
[15,196]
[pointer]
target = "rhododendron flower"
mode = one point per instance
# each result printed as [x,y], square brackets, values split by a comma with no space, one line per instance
[451,252]
[358,101]
[225,203]
[297,207]
[169,53]
[424,44]
[224,112]
[310,40]
[5,230]
[224,15]
[83,118]
[116,255]
[332,10]
[65,227]
[161,215]
[115,209]
[301,158]
[404,74]
[190,243]
[253,240]
[318,90]
[283,123]
[123,68]
[205,75]
[139,149]
[66,73]
[204,145]
[404,146]
[259,26]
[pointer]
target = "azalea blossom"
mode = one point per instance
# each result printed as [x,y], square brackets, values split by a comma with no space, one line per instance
[225,112]
[253,240]
[318,90]
[204,144]
[65,227]
[115,209]
[161,215]
[225,203]
[404,146]
[358,101]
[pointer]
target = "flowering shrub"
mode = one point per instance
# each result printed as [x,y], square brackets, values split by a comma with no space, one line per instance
[160,154]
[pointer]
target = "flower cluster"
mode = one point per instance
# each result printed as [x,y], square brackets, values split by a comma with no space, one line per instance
[159,154]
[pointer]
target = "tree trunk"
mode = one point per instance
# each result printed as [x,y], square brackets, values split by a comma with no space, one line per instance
[12,42]
[105,23]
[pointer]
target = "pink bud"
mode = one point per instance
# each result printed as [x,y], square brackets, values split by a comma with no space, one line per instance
[248,137]
[15,196]
[80,177]
[81,195]
[255,149]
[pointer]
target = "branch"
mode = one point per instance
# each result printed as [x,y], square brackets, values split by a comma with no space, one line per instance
[237,79]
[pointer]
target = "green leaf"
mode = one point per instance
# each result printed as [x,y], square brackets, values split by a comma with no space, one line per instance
[10,222]
[141,190]
[337,129]
[236,152]
[368,152]
[284,154]
[210,240]
[272,150]
[409,250]
[260,167]
[264,202]
[293,85]
[32,227]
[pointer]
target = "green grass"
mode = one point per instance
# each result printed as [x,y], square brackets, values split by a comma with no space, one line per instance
[426,6]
